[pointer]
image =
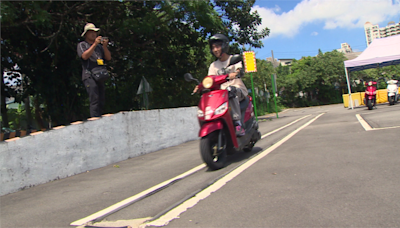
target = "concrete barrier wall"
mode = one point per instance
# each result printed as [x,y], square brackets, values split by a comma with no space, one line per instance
[80,147]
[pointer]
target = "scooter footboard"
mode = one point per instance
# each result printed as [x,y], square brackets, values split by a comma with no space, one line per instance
[209,127]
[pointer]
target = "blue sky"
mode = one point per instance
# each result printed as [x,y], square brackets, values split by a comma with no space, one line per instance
[301,27]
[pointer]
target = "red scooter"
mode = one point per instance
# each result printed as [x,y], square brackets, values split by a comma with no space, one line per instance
[370,94]
[217,131]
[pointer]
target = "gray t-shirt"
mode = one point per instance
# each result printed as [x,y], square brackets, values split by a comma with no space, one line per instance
[90,63]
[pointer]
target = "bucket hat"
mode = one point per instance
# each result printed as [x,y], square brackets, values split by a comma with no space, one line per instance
[89,26]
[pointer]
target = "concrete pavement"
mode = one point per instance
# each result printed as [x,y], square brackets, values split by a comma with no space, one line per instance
[332,173]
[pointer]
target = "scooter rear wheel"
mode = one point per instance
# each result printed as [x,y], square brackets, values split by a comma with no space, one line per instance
[249,147]
[369,104]
[391,100]
[213,156]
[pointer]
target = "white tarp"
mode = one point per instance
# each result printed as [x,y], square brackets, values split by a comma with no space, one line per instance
[381,52]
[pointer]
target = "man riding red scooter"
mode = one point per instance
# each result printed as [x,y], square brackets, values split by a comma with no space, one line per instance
[226,115]
[219,47]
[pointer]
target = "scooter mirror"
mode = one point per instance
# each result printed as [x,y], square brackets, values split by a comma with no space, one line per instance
[188,77]
[235,59]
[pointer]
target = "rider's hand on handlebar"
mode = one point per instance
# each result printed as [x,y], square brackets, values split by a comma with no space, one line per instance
[233,75]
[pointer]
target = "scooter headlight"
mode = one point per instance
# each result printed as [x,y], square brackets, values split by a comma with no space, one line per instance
[221,109]
[207,82]
[200,113]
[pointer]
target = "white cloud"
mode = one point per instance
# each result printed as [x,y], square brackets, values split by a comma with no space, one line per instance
[276,9]
[332,13]
[314,34]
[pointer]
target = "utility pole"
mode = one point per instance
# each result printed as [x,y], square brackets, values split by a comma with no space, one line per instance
[273,61]
[274,88]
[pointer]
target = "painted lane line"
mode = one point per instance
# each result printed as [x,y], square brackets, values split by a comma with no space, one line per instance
[175,212]
[363,123]
[384,128]
[153,189]
[132,199]
[287,125]
[367,127]
[216,179]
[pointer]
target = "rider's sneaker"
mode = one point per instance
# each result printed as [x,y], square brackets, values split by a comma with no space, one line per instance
[239,131]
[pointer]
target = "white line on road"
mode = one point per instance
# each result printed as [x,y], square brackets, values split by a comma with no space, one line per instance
[363,123]
[287,125]
[367,127]
[175,212]
[134,198]
[151,190]
[384,128]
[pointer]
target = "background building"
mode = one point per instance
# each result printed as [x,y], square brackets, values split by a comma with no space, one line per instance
[374,32]
[352,55]
[390,30]
[345,48]
[283,62]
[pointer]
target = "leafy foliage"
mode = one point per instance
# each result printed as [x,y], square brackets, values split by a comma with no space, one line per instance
[160,40]
[381,75]
[312,80]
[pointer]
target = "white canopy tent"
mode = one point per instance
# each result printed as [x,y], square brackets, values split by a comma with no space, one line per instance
[381,52]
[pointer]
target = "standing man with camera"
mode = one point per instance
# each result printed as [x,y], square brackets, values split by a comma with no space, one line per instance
[93,51]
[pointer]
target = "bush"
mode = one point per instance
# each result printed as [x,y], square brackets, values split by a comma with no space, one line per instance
[264,107]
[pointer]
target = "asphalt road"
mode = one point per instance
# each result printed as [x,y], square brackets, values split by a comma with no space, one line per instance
[329,170]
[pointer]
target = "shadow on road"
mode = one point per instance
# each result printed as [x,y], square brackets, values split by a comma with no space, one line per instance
[241,157]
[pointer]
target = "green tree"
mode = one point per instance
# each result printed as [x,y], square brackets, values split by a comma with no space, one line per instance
[312,80]
[241,24]
[159,40]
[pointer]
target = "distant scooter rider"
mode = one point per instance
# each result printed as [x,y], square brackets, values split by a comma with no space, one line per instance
[219,47]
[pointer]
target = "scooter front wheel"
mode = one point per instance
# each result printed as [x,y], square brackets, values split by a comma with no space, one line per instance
[213,155]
